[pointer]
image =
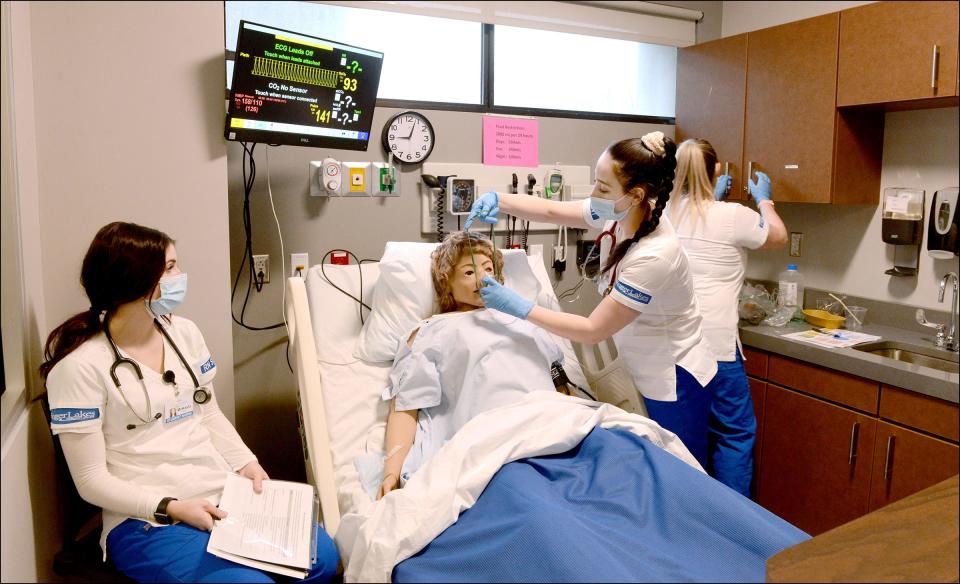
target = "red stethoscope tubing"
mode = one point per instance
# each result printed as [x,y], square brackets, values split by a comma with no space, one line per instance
[612,233]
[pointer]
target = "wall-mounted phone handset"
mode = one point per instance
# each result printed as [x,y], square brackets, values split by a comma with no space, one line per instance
[439,183]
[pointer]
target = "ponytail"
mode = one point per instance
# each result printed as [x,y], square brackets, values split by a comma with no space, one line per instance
[123,264]
[655,174]
[64,339]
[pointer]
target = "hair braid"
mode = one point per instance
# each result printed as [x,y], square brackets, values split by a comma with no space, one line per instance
[666,165]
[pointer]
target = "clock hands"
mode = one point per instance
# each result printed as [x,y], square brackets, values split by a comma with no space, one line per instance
[412,128]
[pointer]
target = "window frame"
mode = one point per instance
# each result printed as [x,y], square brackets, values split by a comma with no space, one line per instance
[486,105]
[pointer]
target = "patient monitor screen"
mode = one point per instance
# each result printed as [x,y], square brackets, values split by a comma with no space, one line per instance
[291,88]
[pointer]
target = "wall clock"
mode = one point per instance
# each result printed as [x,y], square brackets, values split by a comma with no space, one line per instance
[409,137]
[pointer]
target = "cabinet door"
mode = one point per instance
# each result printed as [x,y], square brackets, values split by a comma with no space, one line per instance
[905,462]
[816,460]
[758,393]
[711,85]
[887,52]
[791,107]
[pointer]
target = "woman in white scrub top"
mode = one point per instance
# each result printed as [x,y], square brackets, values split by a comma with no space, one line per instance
[649,306]
[715,236]
[141,441]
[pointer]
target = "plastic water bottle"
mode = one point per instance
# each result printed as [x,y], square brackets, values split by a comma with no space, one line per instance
[791,290]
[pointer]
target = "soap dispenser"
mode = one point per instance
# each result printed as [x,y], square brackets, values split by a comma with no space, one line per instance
[943,239]
[902,227]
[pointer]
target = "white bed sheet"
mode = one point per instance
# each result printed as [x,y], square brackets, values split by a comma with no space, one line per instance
[543,423]
[356,416]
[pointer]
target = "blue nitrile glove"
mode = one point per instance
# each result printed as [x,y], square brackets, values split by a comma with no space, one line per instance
[485,209]
[760,190]
[722,187]
[504,299]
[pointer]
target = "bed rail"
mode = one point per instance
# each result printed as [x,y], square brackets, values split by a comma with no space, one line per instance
[310,398]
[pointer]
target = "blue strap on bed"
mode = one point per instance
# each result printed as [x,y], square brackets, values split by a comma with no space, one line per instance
[614,509]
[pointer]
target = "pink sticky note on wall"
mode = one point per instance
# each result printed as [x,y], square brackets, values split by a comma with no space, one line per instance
[510,141]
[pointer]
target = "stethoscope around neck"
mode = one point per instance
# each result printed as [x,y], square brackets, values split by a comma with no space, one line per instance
[201,395]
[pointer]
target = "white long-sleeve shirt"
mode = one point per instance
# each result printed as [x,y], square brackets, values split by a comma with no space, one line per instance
[185,453]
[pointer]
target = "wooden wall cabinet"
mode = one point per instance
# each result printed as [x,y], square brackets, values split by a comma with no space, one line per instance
[834,446]
[897,52]
[766,100]
[812,152]
[711,94]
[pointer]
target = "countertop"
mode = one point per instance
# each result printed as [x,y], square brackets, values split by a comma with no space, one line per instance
[924,380]
[911,540]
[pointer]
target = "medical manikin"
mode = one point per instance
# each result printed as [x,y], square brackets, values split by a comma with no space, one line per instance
[460,362]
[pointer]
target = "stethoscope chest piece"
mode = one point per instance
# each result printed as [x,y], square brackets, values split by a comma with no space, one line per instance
[201,395]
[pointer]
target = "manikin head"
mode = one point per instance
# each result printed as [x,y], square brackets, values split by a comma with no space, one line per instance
[455,279]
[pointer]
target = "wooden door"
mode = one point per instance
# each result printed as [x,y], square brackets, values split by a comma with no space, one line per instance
[758,392]
[816,460]
[711,85]
[905,462]
[791,106]
[887,52]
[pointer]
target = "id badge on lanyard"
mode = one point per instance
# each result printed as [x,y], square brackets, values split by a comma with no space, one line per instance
[176,409]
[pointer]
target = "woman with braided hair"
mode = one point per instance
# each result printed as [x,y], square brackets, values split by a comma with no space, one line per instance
[649,306]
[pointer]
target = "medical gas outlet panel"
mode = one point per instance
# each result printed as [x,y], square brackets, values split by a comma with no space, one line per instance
[463,183]
[334,178]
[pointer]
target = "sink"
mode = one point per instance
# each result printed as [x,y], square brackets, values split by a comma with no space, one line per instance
[922,356]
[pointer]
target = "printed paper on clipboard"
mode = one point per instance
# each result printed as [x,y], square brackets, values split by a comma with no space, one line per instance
[272,531]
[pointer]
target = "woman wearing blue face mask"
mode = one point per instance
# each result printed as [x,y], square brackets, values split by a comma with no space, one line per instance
[130,388]
[648,306]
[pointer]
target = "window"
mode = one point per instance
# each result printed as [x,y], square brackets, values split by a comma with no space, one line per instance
[425,58]
[563,71]
[467,65]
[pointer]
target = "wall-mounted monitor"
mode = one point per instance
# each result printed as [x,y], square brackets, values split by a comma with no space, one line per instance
[296,89]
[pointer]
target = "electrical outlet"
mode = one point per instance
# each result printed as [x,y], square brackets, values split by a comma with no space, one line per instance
[796,244]
[261,264]
[298,264]
[536,249]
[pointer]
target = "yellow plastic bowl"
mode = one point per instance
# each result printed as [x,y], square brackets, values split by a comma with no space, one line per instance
[823,319]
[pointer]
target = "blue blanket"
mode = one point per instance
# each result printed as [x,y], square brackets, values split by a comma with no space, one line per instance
[614,509]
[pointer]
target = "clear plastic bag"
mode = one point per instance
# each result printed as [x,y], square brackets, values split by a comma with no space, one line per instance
[755,304]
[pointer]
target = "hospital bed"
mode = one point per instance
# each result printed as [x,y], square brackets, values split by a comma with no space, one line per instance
[342,416]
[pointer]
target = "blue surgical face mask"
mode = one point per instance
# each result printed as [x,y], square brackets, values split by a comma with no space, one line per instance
[172,291]
[605,209]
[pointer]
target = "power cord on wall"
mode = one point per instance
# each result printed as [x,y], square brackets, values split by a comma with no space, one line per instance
[249,176]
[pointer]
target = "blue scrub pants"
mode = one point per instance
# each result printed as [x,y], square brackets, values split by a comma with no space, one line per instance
[716,423]
[178,553]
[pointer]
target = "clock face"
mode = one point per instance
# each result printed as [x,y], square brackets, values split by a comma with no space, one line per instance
[409,138]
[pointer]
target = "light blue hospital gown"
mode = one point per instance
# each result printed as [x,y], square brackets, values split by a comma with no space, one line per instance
[462,364]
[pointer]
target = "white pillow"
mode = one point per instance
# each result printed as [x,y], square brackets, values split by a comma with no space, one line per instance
[404,295]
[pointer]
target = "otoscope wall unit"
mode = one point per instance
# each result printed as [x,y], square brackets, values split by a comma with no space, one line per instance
[332,178]
[530,181]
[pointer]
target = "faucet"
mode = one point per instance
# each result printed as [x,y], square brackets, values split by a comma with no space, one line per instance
[952,342]
[949,340]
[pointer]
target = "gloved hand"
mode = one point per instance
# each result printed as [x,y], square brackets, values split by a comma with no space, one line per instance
[722,187]
[504,299]
[485,209]
[760,190]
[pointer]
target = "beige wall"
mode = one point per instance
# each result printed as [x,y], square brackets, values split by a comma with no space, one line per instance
[843,249]
[118,114]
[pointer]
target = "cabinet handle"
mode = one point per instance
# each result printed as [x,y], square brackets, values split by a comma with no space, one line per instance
[889,457]
[749,177]
[936,65]
[854,434]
